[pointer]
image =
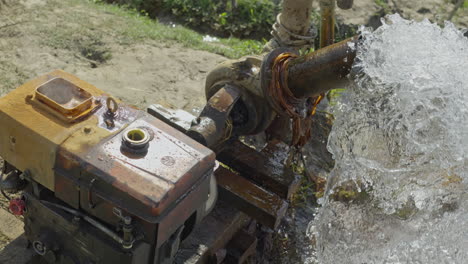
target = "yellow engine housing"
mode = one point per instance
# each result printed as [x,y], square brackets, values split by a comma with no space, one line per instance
[34,125]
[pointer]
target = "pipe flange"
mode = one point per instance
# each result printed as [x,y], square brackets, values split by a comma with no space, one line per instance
[251,107]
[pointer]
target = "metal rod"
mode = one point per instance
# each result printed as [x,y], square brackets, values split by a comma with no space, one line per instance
[327,22]
[322,70]
[214,125]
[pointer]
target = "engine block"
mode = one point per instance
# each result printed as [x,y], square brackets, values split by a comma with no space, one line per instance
[105,182]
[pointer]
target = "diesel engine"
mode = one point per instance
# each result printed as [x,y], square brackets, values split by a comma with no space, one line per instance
[103,182]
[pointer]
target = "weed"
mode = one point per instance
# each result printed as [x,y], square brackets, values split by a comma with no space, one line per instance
[94,50]
[126,26]
[334,96]
[384,5]
[247,18]
[137,27]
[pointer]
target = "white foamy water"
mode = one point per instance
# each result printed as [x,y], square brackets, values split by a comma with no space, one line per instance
[401,136]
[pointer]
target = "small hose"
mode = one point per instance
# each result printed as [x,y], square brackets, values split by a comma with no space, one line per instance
[88,219]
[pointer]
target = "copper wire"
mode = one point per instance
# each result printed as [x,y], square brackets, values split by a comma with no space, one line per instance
[284,99]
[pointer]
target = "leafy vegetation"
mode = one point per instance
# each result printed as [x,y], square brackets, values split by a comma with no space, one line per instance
[248,18]
[251,18]
[130,26]
[384,5]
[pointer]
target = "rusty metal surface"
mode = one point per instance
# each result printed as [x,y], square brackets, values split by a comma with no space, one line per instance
[327,22]
[261,168]
[194,198]
[164,183]
[64,100]
[212,235]
[242,246]
[251,115]
[211,128]
[177,118]
[156,179]
[264,206]
[322,70]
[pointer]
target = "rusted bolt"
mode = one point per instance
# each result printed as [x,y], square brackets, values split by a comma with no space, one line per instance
[87,129]
[109,123]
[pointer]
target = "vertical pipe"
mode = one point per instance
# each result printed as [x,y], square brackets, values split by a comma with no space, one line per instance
[327,23]
[295,16]
[292,27]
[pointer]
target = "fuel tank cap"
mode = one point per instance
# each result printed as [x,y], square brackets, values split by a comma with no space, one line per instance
[136,138]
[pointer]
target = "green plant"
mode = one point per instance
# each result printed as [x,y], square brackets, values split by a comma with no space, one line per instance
[131,26]
[384,5]
[251,18]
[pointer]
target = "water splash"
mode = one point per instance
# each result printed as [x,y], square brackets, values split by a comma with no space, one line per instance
[401,138]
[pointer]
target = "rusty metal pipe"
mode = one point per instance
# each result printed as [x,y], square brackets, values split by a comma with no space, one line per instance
[322,70]
[211,127]
[327,22]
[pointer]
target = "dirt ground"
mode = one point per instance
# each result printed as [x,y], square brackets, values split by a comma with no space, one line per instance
[139,73]
[38,36]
